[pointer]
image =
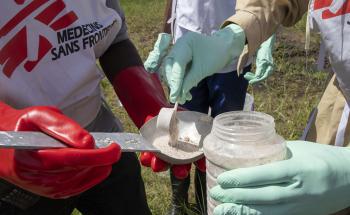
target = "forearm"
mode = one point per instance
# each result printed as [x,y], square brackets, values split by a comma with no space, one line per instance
[260,18]
[141,93]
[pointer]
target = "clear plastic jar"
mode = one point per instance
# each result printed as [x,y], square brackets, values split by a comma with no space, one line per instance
[240,139]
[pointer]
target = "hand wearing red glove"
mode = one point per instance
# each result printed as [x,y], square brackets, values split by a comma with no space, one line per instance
[142,95]
[53,173]
[149,159]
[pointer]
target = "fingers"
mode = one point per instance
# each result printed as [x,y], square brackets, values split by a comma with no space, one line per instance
[158,165]
[249,76]
[84,182]
[68,158]
[146,158]
[262,72]
[200,164]
[64,182]
[181,171]
[81,181]
[176,64]
[54,123]
[174,73]
[185,93]
[236,209]
[155,57]
[152,62]
[265,71]
[274,194]
[273,173]
[256,77]
[191,80]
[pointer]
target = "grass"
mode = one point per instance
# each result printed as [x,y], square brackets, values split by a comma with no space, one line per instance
[288,95]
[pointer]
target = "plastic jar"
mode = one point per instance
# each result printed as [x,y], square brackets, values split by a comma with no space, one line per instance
[240,139]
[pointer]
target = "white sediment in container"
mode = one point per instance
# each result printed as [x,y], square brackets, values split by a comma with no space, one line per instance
[181,150]
[240,139]
[192,128]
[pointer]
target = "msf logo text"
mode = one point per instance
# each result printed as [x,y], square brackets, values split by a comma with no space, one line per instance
[16,49]
[332,8]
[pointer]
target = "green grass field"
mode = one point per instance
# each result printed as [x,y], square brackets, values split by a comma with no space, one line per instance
[288,95]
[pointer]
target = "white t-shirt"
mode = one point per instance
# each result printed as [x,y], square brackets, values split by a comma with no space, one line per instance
[205,17]
[48,52]
[331,20]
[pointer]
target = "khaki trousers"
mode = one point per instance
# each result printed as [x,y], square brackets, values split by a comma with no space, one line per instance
[325,125]
[329,112]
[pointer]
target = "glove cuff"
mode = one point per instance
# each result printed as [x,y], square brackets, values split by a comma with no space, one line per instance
[140,92]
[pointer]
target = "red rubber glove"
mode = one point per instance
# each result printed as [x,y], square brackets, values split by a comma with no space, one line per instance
[180,171]
[142,95]
[53,173]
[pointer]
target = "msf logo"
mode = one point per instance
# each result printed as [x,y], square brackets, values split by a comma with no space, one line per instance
[332,8]
[18,48]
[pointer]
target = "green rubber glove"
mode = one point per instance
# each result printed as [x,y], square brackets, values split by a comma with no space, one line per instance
[160,49]
[264,62]
[314,180]
[195,56]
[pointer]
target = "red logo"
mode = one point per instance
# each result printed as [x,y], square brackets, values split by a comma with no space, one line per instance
[341,7]
[15,51]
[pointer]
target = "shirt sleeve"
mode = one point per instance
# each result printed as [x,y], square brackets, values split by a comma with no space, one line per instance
[123,33]
[261,18]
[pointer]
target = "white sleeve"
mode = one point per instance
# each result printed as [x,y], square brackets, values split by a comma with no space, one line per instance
[123,33]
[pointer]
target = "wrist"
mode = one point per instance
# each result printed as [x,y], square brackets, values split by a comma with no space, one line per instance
[236,38]
[268,44]
[237,31]
[251,25]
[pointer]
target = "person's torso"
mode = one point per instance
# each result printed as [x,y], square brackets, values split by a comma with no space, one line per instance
[48,51]
[205,17]
[332,19]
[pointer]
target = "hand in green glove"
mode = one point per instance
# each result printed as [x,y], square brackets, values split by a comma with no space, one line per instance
[196,56]
[315,180]
[264,62]
[155,57]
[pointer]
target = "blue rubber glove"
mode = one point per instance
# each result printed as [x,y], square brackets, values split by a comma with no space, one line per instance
[264,62]
[315,180]
[160,49]
[196,56]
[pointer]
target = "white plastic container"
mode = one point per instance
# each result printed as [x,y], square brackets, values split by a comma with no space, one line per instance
[240,139]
